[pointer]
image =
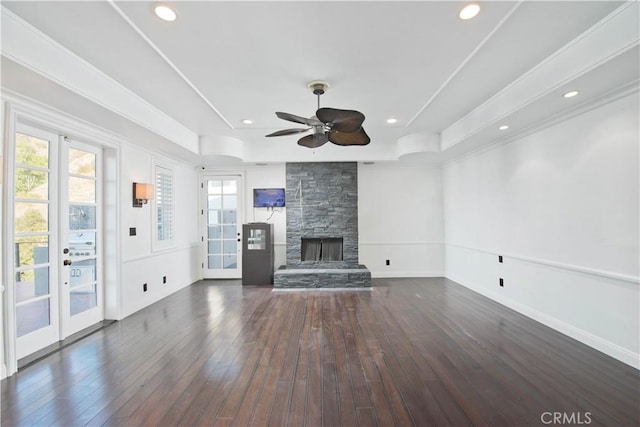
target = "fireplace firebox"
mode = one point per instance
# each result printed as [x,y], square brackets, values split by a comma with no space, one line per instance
[321,249]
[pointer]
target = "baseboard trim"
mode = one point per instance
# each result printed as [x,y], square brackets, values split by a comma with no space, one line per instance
[617,352]
[395,274]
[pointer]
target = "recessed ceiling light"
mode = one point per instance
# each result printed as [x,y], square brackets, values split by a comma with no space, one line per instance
[469,11]
[503,127]
[392,121]
[165,13]
[571,94]
[247,121]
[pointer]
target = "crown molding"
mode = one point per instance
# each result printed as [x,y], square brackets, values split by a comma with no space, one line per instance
[601,43]
[29,47]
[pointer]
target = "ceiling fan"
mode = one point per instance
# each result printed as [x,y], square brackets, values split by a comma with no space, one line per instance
[341,127]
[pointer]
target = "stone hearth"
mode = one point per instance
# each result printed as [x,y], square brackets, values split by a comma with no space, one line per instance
[323,277]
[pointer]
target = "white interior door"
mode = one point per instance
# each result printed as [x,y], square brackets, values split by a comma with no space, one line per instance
[221,234]
[57,286]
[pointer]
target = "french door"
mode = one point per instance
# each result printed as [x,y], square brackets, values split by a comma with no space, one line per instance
[81,304]
[56,257]
[221,199]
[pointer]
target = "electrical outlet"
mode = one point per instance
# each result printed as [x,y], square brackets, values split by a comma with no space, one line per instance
[501,282]
[144,287]
[388,262]
[132,231]
[164,279]
[500,258]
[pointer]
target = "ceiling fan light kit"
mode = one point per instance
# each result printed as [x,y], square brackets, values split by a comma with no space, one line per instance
[340,127]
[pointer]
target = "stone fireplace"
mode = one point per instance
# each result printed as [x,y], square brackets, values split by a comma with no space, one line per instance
[322,227]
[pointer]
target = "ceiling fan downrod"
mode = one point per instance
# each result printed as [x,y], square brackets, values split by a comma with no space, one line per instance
[318,88]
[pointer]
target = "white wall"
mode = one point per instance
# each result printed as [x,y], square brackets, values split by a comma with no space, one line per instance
[561,206]
[399,216]
[268,177]
[400,220]
[141,262]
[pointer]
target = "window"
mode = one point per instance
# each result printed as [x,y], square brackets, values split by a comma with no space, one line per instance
[164,204]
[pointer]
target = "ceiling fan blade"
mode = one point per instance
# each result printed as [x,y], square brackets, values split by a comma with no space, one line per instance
[284,132]
[349,138]
[313,141]
[298,119]
[341,120]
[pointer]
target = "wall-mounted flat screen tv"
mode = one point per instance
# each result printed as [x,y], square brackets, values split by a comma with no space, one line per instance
[268,197]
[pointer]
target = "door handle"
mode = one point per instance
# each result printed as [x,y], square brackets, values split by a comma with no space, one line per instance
[67,262]
[65,251]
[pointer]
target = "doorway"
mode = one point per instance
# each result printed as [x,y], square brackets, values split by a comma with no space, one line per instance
[56,239]
[221,199]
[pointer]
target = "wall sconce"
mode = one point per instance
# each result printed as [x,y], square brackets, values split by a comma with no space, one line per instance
[141,194]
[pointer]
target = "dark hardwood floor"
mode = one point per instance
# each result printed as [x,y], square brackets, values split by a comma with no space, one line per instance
[411,352]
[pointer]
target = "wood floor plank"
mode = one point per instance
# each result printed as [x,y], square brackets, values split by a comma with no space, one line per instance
[367,417]
[271,388]
[314,409]
[410,352]
[348,415]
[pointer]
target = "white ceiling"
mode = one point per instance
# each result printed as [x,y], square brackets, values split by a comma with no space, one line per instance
[448,82]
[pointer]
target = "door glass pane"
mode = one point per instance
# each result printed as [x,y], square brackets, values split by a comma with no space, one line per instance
[230,202]
[83,299]
[82,273]
[229,231]
[215,232]
[215,247]
[229,246]
[230,187]
[215,202]
[30,250]
[31,217]
[215,262]
[32,316]
[32,184]
[229,217]
[82,244]
[82,162]
[214,217]
[82,217]
[214,187]
[82,190]
[32,283]
[32,151]
[229,262]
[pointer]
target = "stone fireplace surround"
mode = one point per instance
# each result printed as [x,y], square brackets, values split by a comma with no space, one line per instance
[322,203]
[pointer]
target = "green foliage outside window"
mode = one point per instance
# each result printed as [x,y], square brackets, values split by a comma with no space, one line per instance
[33,152]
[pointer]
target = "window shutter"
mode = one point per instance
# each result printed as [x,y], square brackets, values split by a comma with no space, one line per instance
[164,204]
